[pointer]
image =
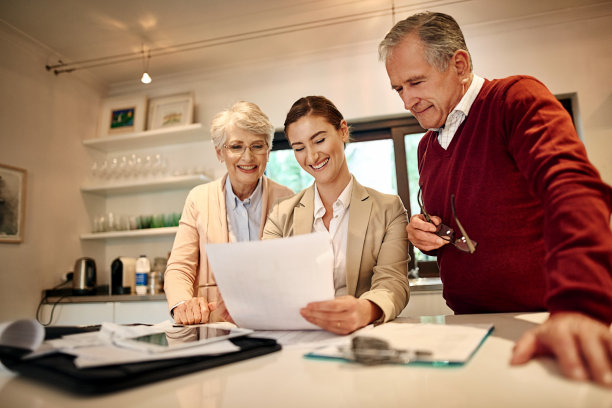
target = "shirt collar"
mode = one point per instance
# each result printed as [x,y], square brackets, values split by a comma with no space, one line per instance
[344,199]
[465,104]
[233,200]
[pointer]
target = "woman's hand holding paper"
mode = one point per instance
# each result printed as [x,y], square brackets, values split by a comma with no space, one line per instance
[342,315]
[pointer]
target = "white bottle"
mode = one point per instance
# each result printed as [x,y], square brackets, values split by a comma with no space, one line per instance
[143,268]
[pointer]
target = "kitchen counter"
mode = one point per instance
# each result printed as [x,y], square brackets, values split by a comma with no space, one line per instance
[416,285]
[104,298]
[286,378]
[425,284]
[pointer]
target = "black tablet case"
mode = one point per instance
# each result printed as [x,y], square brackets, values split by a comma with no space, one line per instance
[58,369]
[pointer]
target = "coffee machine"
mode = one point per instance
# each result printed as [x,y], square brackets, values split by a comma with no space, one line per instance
[123,276]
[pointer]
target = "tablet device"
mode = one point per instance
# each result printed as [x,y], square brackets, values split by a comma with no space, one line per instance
[181,337]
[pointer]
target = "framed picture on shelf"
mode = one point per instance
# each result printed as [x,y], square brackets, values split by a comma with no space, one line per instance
[168,111]
[123,114]
[12,203]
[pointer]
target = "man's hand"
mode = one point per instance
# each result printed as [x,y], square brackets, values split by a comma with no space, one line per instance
[342,315]
[422,233]
[582,345]
[194,311]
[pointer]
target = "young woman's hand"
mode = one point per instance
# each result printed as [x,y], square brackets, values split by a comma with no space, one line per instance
[342,315]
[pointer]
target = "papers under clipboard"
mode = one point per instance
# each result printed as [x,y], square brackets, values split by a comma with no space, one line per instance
[413,343]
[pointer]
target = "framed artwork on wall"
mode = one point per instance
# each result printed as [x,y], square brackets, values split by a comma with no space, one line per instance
[123,114]
[12,203]
[168,111]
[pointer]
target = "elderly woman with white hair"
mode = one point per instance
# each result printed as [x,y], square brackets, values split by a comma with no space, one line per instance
[230,209]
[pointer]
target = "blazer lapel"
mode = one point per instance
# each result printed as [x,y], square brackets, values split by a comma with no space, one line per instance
[217,213]
[265,194]
[303,213]
[359,217]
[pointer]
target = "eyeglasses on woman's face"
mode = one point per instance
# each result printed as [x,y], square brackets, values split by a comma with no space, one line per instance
[463,243]
[238,149]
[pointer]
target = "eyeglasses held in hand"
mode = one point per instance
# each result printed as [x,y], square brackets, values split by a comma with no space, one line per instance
[373,351]
[463,243]
[238,149]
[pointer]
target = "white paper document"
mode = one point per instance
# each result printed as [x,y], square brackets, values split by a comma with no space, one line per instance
[433,343]
[301,338]
[264,284]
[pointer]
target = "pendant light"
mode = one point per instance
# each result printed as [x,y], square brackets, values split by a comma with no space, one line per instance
[146,78]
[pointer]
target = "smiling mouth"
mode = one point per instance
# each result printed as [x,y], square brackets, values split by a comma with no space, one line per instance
[415,112]
[321,165]
[247,168]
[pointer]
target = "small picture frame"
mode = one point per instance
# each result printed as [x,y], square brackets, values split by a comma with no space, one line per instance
[168,111]
[12,203]
[123,114]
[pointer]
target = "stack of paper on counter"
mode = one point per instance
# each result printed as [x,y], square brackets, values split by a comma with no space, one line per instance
[442,343]
[99,348]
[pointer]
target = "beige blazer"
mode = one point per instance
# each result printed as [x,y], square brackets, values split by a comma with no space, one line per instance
[377,248]
[204,221]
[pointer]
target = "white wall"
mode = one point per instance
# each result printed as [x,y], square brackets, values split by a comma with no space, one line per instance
[44,118]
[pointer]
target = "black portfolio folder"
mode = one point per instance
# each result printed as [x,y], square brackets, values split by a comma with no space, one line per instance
[59,370]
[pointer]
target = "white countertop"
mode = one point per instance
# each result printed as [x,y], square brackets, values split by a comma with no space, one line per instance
[287,379]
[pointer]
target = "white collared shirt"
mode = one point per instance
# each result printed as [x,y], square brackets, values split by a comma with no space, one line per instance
[459,113]
[243,216]
[338,232]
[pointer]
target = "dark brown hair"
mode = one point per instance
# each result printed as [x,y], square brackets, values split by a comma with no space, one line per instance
[314,105]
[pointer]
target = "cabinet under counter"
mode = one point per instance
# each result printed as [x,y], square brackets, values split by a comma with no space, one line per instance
[120,309]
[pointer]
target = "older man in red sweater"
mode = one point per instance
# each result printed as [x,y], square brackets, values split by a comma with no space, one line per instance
[502,166]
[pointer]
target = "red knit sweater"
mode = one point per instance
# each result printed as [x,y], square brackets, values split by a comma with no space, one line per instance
[526,192]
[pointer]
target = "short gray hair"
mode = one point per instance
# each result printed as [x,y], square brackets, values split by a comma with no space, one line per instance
[440,34]
[246,116]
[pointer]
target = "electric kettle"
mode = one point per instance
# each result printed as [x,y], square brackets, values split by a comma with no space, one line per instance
[84,277]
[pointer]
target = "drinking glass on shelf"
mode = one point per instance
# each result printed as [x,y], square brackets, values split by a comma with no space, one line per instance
[158,165]
[138,166]
[168,220]
[99,223]
[131,165]
[158,221]
[102,169]
[122,168]
[134,222]
[145,221]
[123,223]
[95,169]
[110,222]
[147,164]
[113,168]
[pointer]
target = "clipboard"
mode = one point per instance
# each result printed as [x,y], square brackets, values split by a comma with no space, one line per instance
[58,369]
[435,345]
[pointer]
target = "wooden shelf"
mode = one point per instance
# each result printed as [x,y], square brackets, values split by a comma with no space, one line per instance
[150,138]
[149,232]
[134,187]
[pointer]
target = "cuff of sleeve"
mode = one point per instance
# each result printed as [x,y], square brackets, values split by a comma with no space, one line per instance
[172,308]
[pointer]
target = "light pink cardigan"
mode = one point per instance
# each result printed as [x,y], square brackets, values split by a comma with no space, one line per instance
[204,221]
